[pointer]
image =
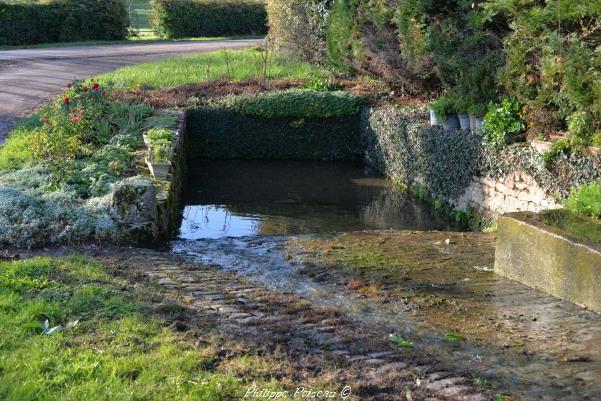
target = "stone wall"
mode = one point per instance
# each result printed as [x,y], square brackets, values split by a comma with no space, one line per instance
[549,259]
[460,168]
[518,191]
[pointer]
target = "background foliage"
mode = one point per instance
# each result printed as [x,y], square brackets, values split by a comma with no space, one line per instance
[195,18]
[544,54]
[295,103]
[297,28]
[63,21]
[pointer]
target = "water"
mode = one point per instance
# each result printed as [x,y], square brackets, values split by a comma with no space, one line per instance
[240,198]
[281,223]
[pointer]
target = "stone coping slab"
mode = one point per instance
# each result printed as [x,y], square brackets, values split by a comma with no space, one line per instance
[549,259]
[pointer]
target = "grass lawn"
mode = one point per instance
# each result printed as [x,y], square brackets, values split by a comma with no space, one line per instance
[234,65]
[112,340]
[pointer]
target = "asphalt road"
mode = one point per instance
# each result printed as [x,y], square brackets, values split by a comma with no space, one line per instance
[30,77]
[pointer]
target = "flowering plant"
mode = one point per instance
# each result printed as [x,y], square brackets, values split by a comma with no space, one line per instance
[74,125]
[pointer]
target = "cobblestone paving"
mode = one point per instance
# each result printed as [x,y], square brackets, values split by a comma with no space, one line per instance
[320,337]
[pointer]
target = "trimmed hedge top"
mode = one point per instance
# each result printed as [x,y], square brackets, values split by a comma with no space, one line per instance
[195,18]
[63,21]
[292,103]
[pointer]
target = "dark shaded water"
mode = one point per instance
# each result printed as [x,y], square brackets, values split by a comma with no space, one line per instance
[235,198]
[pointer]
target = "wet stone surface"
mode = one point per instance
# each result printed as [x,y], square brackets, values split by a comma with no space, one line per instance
[325,280]
[314,336]
[434,289]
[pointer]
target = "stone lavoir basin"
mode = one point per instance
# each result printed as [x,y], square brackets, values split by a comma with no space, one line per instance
[341,238]
[555,252]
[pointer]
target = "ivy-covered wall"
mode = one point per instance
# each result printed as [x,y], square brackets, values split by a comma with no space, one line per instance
[294,124]
[401,144]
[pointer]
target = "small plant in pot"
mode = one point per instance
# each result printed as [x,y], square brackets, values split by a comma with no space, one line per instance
[445,111]
[476,111]
[462,104]
[159,162]
[434,118]
[160,152]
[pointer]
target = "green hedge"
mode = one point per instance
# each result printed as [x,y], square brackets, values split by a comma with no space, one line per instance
[297,103]
[223,134]
[196,18]
[293,124]
[63,21]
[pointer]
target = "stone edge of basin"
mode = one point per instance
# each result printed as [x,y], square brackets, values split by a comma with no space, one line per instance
[549,259]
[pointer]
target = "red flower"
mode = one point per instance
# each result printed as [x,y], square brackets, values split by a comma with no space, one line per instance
[66,100]
[69,85]
[95,86]
[44,121]
[74,119]
[85,88]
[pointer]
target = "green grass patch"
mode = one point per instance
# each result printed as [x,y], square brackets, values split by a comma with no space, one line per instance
[586,200]
[235,65]
[101,346]
[17,150]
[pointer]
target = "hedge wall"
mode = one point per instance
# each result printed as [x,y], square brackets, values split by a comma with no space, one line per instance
[63,21]
[195,18]
[401,144]
[294,124]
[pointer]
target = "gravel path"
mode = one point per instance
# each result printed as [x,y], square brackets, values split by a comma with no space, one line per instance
[29,77]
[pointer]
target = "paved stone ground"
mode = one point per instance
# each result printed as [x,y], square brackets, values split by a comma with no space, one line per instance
[316,337]
[30,77]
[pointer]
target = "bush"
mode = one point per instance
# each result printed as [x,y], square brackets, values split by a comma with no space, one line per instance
[294,103]
[362,37]
[502,122]
[552,55]
[341,34]
[585,200]
[294,124]
[196,18]
[63,20]
[444,108]
[160,140]
[297,28]
[58,169]
[95,20]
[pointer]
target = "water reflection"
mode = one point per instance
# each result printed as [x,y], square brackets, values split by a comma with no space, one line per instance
[237,198]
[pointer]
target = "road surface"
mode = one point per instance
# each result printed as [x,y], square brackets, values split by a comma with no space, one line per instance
[30,77]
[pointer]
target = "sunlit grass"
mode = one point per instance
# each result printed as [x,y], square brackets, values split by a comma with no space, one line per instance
[234,65]
[109,347]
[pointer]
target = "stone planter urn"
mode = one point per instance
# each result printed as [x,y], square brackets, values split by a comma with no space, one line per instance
[159,170]
[451,123]
[464,121]
[434,119]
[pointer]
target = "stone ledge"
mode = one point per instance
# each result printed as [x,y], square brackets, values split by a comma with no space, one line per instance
[549,259]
